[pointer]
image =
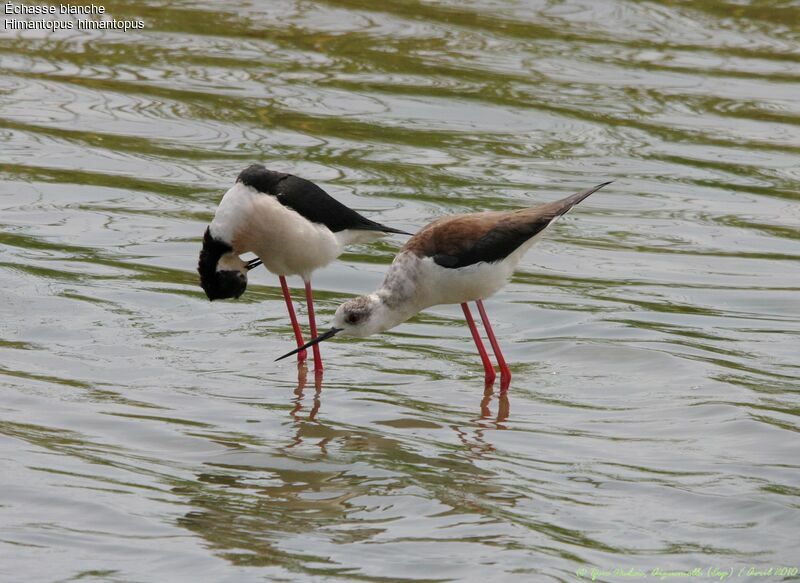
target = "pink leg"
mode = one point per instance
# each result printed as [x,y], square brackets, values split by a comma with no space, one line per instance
[298,335]
[487,364]
[505,374]
[313,325]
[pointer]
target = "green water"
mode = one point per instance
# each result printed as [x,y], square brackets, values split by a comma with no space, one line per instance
[652,422]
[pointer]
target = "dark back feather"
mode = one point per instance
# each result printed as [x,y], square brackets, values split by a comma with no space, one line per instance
[309,200]
[463,240]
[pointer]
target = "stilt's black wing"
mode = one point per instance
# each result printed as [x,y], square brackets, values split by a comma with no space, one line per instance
[309,200]
[495,245]
[463,240]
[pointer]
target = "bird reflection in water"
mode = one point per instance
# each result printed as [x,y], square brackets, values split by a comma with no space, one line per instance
[503,405]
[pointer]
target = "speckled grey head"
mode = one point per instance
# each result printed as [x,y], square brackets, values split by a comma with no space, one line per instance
[360,316]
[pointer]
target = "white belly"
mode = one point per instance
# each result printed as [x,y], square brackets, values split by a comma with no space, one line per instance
[481,280]
[441,285]
[284,240]
[434,284]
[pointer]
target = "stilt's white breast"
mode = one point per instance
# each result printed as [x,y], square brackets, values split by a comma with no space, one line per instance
[442,285]
[287,242]
[232,212]
[422,283]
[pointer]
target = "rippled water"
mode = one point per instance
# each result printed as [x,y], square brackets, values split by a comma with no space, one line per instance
[146,434]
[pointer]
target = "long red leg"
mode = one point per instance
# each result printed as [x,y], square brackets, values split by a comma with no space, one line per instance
[313,325]
[487,364]
[505,374]
[298,335]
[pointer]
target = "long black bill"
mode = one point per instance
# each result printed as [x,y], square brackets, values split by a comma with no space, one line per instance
[252,263]
[329,334]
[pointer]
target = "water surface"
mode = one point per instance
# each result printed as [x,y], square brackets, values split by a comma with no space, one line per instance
[146,434]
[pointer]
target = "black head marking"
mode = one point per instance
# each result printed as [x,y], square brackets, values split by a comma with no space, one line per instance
[354,318]
[218,285]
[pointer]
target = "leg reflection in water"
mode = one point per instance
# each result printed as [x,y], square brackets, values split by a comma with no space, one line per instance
[302,379]
[503,406]
[473,436]
[494,422]
[303,424]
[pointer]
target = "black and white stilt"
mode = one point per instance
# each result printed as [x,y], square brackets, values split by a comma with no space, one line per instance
[291,224]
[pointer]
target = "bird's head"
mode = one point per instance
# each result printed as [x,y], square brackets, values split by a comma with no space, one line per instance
[361,316]
[223,274]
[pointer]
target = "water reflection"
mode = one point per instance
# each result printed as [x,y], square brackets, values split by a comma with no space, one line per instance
[503,405]
[654,335]
[302,380]
[265,506]
[301,396]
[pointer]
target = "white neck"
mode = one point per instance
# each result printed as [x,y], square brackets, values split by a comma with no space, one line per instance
[398,297]
[390,313]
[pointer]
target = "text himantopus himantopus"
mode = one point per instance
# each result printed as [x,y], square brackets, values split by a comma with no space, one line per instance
[453,260]
[291,224]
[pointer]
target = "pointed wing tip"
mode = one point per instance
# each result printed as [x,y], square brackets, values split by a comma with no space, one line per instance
[392,231]
[566,204]
[399,232]
[586,193]
[601,185]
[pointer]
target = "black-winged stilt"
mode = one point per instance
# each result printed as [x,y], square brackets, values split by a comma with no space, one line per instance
[453,260]
[291,224]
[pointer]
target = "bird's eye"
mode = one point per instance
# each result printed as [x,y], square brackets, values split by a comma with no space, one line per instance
[353,318]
